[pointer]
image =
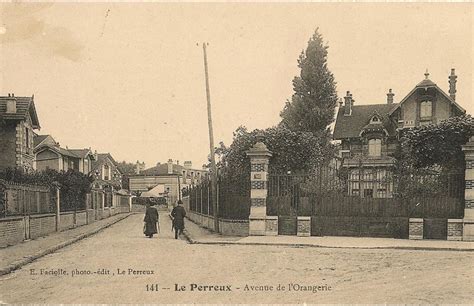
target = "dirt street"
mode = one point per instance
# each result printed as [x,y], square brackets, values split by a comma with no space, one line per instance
[120,265]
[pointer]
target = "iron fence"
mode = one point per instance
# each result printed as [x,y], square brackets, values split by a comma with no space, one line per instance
[370,192]
[233,199]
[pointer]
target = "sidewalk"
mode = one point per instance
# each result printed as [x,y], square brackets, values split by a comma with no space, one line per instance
[196,234]
[16,256]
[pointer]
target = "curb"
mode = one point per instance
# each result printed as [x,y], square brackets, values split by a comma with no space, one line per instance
[20,263]
[301,245]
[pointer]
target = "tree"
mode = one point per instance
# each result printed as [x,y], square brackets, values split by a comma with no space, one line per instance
[312,106]
[297,152]
[437,144]
[127,168]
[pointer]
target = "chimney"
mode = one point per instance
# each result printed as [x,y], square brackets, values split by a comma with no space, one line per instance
[170,166]
[11,104]
[452,84]
[137,167]
[390,95]
[348,102]
[340,102]
[188,164]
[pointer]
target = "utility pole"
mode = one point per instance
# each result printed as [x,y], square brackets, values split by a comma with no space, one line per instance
[211,146]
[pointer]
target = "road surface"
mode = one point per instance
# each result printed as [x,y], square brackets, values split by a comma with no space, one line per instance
[120,265]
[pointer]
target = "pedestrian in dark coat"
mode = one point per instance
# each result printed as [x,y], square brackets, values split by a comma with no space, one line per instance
[151,219]
[178,213]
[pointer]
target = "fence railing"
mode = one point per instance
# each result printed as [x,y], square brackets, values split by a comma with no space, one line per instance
[20,199]
[233,200]
[367,192]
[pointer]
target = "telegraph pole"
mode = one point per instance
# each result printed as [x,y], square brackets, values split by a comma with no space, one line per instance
[211,145]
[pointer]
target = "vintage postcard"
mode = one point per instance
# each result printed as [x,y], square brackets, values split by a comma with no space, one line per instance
[236,153]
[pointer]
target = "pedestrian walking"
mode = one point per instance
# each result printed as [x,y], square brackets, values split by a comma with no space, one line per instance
[178,213]
[151,220]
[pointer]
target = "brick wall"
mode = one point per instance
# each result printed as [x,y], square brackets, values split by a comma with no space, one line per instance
[66,221]
[226,227]
[415,228]
[12,231]
[455,229]
[90,216]
[42,225]
[234,227]
[81,218]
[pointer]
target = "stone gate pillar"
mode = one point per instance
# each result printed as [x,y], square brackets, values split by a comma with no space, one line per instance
[468,221]
[259,158]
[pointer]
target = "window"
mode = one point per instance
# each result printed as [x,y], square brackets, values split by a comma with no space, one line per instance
[375,119]
[27,133]
[426,109]
[375,147]
[106,172]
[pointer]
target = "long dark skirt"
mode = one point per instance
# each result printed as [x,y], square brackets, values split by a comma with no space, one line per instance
[150,228]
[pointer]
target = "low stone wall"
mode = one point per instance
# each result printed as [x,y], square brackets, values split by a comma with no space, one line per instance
[226,227]
[138,208]
[124,209]
[106,213]
[42,225]
[415,228]
[12,231]
[455,227]
[90,216]
[234,227]
[81,218]
[66,220]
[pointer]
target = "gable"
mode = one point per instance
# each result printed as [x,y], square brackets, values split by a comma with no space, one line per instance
[25,107]
[47,154]
[427,89]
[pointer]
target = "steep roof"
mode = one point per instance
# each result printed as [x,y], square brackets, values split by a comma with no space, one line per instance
[57,149]
[351,126]
[24,106]
[426,83]
[82,153]
[102,158]
[162,169]
[39,139]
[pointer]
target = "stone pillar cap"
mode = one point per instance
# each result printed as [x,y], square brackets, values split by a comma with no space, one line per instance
[259,149]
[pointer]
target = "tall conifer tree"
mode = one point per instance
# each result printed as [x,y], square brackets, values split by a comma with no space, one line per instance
[313,103]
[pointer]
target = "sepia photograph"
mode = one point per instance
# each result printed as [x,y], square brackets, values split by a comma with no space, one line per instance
[236,152]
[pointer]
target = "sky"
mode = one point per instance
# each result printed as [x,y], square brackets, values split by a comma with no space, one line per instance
[129,78]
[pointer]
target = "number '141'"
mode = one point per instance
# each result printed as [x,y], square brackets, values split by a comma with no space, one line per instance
[152,287]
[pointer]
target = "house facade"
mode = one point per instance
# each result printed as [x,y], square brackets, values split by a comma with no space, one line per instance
[173,177]
[369,134]
[18,120]
[50,155]
[106,171]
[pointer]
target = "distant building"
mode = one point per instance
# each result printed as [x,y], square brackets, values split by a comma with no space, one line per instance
[171,176]
[369,133]
[18,120]
[106,171]
[50,155]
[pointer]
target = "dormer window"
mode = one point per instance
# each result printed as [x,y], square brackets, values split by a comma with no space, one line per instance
[375,147]
[426,109]
[375,119]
